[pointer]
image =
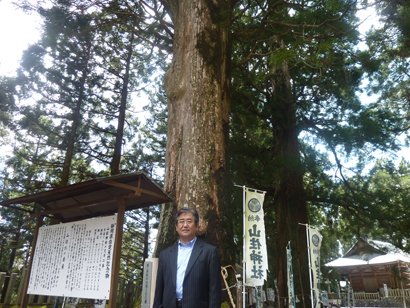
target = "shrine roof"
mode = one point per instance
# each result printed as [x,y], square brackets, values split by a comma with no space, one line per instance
[371,252]
[94,198]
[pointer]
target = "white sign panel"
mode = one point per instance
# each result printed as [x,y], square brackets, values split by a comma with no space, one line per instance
[256,256]
[148,282]
[315,241]
[74,259]
[386,292]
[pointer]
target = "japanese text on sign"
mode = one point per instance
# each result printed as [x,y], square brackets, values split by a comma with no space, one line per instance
[74,259]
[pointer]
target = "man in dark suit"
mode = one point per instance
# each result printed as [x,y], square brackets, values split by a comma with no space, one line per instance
[189,273]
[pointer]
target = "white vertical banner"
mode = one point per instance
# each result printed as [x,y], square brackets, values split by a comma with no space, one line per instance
[315,241]
[256,257]
[291,288]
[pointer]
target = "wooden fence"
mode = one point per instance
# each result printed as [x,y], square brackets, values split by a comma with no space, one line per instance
[11,292]
[366,296]
[374,296]
[399,293]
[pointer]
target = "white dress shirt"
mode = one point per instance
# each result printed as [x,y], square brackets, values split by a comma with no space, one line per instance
[184,253]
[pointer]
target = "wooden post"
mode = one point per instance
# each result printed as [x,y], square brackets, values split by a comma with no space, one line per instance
[115,271]
[51,300]
[10,288]
[239,297]
[2,279]
[121,293]
[39,223]
[31,299]
[20,291]
[40,299]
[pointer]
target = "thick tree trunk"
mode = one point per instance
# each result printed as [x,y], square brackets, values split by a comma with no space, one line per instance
[289,199]
[198,87]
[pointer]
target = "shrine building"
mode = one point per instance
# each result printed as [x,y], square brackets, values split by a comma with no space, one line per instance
[372,265]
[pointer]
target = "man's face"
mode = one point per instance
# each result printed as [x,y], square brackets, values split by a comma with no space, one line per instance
[186,227]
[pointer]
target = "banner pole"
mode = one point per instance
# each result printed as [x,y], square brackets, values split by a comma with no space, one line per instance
[310,265]
[243,258]
[257,205]
[291,273]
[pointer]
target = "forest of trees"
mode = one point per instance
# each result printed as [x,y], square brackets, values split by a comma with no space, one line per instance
[266,94]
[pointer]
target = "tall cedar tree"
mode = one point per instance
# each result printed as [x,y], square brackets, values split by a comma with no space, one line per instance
[295,78]
[198,92]
[296,75]
[127,66]
[59,70]
[69,48]
[290,58]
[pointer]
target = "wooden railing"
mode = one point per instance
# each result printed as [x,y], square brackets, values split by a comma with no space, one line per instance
[373,296]
[366,296]
[357,296]
[399,293]
[331,295]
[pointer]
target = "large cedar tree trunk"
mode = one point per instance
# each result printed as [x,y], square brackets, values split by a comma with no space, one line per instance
[289,199]
[198,86]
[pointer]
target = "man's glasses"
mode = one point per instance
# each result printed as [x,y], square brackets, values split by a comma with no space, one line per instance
[183,222]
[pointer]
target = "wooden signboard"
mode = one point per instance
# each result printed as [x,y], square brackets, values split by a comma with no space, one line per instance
[74,259]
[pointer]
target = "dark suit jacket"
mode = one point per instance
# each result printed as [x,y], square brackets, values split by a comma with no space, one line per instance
[202,281]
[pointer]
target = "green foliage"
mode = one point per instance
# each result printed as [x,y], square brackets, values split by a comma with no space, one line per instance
[314,49]
[296,77]
[148,152]
[136,241]
[7,104]
[16,232]
[87,69]
[389,47]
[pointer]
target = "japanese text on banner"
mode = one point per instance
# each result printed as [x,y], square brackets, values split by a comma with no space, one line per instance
[315,241]
[256,257]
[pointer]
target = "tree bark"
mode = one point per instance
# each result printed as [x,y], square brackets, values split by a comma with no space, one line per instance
[198,88]
[289,199]
[116,159]
[68,158]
